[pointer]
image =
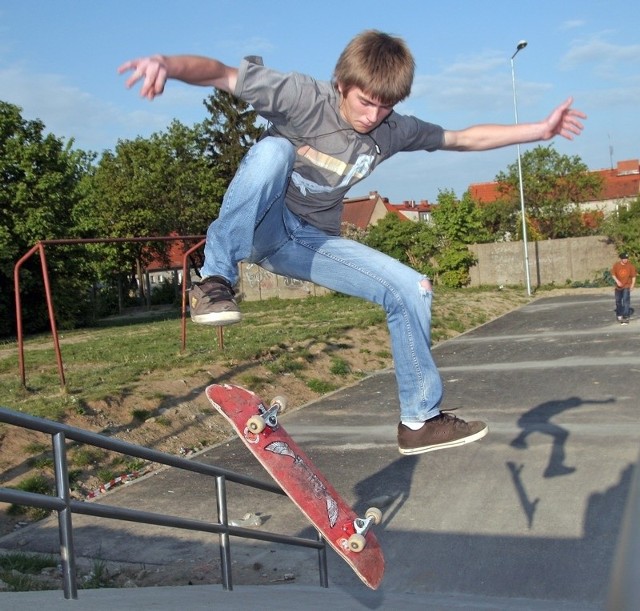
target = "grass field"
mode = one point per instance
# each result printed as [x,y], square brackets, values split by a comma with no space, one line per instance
[104,363]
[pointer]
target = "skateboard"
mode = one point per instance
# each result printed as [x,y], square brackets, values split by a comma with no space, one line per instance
[256,423]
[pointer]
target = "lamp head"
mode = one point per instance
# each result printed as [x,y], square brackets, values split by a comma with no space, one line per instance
[521,45]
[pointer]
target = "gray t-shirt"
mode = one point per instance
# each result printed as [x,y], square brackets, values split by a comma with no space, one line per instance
[331,156]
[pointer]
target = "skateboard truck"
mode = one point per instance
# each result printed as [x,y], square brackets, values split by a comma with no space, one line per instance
[267,417]
[357,529]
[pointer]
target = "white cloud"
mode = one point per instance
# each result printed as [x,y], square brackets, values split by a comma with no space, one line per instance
[479,83]
[606,60]
[572,24]
[68,112]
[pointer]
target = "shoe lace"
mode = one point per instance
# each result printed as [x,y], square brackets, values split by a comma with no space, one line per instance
[446,414]
[217,288]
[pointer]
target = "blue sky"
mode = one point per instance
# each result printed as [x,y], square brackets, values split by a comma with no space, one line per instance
[59,59]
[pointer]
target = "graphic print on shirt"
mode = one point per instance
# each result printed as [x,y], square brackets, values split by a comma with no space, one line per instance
[342,173]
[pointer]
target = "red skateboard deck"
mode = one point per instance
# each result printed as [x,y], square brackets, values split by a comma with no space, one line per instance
[350,535]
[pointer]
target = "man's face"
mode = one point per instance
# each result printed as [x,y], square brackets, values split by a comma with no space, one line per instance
[361,111]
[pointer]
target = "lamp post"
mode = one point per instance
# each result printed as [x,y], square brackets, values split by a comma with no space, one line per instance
[521,45]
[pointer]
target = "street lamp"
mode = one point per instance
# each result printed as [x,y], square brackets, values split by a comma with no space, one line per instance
[521,45]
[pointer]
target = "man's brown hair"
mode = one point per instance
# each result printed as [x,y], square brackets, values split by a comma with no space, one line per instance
[379,64]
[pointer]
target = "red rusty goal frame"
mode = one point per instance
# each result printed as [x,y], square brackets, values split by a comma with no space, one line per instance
[40,248]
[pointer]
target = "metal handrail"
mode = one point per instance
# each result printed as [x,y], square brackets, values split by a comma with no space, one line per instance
[65,506]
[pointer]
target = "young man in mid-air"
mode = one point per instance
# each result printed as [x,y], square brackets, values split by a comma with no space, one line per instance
[283,208]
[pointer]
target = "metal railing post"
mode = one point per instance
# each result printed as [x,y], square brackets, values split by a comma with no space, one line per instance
[225,546]
[322,562]
[65,527]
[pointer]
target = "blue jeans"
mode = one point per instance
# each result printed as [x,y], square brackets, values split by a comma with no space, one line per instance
[623,302]
[256,225]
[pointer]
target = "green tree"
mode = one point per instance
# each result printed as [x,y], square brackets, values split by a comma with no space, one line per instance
[454,263]
[457,223]
[158,186]
[553,185]
[230,132]
[623,228]
[41,180]
[499,220]
[458,220]
[412,243]
[126,201]
[194,190]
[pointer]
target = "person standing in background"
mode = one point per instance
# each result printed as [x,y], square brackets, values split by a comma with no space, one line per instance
[624,274]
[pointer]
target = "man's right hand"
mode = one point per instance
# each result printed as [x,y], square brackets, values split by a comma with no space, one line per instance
[152,69]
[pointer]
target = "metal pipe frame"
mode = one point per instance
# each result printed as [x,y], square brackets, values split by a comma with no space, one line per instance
[65,506]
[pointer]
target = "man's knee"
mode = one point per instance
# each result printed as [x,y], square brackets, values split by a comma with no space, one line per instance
[278,150]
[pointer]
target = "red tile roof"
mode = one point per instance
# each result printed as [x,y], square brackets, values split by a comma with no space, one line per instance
[617,185]
[358,210]
[412,206]
[485,192]
[176,250]
[393,209]
[621,182]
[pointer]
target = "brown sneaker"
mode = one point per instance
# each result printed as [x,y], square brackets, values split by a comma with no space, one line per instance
[443,431]
[212,302]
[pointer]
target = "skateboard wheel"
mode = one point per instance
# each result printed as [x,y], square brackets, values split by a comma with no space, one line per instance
[280,401]
[374,514]
[256,424]
[357,543]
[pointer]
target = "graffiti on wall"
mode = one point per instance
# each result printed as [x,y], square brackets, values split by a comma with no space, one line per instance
[258,283]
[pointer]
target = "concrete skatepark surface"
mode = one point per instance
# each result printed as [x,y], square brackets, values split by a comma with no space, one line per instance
[526,518]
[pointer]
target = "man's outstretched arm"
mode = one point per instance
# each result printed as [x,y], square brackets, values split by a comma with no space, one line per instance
[563,121]
[154,71]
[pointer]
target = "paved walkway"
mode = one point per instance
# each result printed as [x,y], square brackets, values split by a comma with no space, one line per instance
[527,518]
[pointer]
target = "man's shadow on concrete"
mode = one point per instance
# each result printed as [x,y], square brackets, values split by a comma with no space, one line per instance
[395,480]
[538,420]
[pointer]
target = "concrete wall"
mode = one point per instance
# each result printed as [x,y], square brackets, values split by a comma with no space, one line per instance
[573,259]
[550,261]
[257,284]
